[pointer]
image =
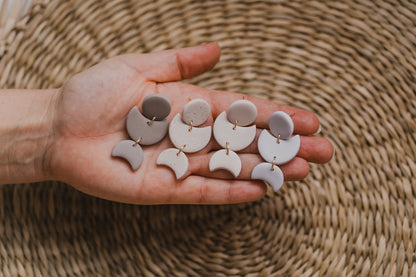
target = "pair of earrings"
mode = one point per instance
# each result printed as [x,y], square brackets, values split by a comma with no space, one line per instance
[276,148]
[144,129]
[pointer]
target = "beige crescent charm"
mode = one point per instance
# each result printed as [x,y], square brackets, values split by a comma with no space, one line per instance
[195,139]
[238,137]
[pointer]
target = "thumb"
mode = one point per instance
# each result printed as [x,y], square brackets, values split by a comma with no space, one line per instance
[175,64]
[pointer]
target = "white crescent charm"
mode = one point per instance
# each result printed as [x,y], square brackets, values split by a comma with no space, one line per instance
[284,151]
[238,137]
[230,162]
[194,138]
[174,159]
[263,171]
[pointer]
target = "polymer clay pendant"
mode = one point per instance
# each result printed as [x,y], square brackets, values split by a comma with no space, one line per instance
[232,132]
[144,129]
[276,148]
[186,137]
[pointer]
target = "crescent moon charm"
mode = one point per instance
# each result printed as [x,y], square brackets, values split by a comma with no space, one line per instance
[195,139]
[230,162]
[137,126]
[284,151]
[273,177]
[238,137]
[133,154]
[174,159]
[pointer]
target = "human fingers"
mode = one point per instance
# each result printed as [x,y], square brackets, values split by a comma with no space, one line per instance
[203,190]
[175,64]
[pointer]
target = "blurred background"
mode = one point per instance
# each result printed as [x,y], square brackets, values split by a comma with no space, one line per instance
[10,12]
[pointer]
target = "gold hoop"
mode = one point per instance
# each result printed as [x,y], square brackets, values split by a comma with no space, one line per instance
[137,141]
[273,162]
[190,124]
[151,121]
[180,150]
[235,124]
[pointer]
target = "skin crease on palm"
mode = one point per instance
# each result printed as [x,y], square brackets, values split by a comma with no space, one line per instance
[90,114]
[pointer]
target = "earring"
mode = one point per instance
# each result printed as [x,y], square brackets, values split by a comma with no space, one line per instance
[144,129]
[276,149]
[186,137]
[232,132]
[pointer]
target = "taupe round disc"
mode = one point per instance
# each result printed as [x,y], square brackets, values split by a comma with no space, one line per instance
[156,105]
[197,111]
[242,111]
[280,123]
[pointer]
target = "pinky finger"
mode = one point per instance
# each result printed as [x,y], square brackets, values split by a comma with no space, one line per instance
[203,190]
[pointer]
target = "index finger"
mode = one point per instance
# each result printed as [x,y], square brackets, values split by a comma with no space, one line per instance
[305,122]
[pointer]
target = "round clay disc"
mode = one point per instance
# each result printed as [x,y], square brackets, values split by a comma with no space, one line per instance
[281,123]
[197,111]
[156,105]
[242,111]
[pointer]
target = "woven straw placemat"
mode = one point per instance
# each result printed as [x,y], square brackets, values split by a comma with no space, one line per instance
[353,63]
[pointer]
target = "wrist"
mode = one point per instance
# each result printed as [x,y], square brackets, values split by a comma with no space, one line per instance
[26,133]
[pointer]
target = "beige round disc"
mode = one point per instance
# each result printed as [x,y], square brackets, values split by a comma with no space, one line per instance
[197,111]
[243,112]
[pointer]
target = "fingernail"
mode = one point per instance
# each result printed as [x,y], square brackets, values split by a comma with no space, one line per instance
[319,129]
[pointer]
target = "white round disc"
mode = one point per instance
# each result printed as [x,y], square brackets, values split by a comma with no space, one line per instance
[230,162]
[284,151]
[281,123]
[238,139]
[195,140]
[178,163]
[273,177]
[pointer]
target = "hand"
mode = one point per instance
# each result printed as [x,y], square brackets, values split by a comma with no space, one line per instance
[90,116]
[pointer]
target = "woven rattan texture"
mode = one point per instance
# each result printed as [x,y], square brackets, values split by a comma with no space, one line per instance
[351,62]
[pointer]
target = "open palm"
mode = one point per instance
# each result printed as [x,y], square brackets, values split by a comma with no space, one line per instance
[90,119]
